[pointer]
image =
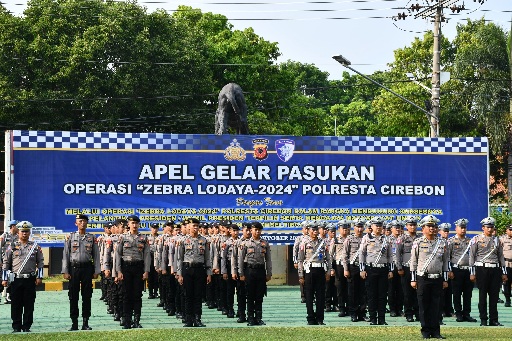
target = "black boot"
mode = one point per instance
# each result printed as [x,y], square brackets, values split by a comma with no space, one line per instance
[127,323]
[241,317]
[259,321]
[189,322]
[74,324]
[117,316]
[85,324]
[136,322]
[231,313]
[382,321]
[197,321]
[250,319]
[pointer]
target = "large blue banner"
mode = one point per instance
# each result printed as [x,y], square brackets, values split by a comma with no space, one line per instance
[278,180]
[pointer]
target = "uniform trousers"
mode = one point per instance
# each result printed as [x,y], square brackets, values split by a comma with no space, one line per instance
[256,285]
[132,289]
[314,284]
[356,292]
[81,281]
[341,287]
[507,284]
[395,293]
[166,283]
[241,297]
[410,295]
[488,281]
[429,294]
[152,276]
[462,288]
[194,284]
[23,296]
[230,290]
[377,291]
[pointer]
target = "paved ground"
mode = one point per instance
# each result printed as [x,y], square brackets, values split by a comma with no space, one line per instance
[282,307]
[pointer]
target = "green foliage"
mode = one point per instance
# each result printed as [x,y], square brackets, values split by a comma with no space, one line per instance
[503,219]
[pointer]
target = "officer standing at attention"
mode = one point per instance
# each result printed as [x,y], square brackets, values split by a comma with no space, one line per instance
[488,270]
[6,239]
[376,267]
[462,287]
[80,265]
[429,275]
[255,273]
[314,270]
[153,275]
[241,292]
[350,259]
[395,291]
[228,268]
[337,257]
[194,272]
[132,269]
[24,259]
[506,242]
[402,259]
[296,245]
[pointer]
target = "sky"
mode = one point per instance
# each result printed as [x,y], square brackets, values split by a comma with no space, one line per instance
[312,32]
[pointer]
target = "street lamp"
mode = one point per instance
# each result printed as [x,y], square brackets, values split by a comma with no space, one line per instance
[346,63]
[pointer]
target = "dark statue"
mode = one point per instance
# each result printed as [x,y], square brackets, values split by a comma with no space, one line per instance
[232,111]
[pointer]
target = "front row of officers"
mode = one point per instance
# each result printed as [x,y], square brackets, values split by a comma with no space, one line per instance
[192,263]
[368,269]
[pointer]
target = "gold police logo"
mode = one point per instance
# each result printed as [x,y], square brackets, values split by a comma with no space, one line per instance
[234,152]
[260,147]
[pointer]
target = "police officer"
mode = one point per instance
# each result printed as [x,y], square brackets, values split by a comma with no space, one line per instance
[506,242]
[105,281]
[295,253]
[241,291]
[376,267]
[488,270]
[255,269]
[336,251]
[228,268]
[429,275]
[153,275]
[80,264]
[194,272]
[23,259]
[402,259]
[132,269]
[355,284]
[395,291]
[331,298]
[6,239]
[314,263]
[462,287]
[446,307]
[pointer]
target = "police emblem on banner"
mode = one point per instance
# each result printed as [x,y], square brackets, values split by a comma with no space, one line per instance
[284,149]
[234,152]
[260,149]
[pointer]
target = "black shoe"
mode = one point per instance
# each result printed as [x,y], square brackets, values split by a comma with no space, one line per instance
[507,304]
[328,309]
[16,330]
[387,310]
[127,325]
[410,319]
[500,300]
[460,318]
[188,324]
[179,316]
[354,318]
[171,313]
[469,319]
[495,324]
[102,298]
[224,311]
[74,325]
[231,314]
[342,313]
[312,323]
[198,323]
[251,321]
[438,336]
[27,330]
[302,300]
[382,322]
[425,335]
[241,319]
[211,306]
[85,324]
[373,322]
[320,323]
[364,318]
[117,317]
[441,323]
[483,323]
[393,314]
[151,296]
[110,311]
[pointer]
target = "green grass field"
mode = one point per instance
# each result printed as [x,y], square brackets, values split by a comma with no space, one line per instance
[275,333]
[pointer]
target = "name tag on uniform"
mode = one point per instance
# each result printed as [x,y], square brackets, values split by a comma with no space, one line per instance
[250,250]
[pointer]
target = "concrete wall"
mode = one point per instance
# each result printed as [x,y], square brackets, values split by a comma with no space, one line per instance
[279,264]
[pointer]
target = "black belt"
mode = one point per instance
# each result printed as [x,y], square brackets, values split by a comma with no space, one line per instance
[81,265]
[256,266]
[133,263]
[508,259]
[193,265]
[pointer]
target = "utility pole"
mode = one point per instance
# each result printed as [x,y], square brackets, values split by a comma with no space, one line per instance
[433,9]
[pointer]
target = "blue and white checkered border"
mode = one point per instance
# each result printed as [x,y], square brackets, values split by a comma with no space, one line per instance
[161,141]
